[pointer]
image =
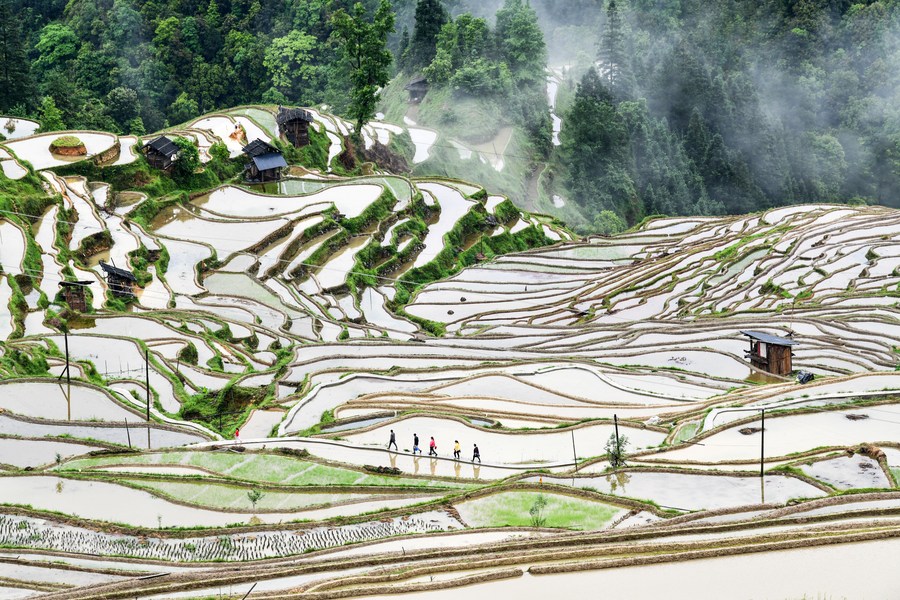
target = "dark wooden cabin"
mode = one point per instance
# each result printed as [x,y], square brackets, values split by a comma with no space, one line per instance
[161,153]
[73,294]
[293,123]
[266,162]
[770,353]
[120,282]
[417,89]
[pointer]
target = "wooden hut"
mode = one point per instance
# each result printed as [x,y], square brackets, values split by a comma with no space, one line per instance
[417,89]
[266,162]
[293,123]
[73,294]
[770,353]
[120,282]
[161,153]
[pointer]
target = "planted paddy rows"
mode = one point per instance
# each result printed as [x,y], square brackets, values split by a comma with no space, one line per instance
[295,314]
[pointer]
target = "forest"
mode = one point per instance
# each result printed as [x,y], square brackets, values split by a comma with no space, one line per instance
[671,107]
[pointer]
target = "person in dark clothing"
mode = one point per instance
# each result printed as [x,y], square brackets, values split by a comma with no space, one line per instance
[416,444]
[476,454]
[393,441]
[432,448]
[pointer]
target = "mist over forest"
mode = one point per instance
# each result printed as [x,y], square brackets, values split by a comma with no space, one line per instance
[673,107]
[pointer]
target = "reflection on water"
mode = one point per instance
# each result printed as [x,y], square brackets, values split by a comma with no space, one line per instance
[763,378]
[617,481]
[170,214]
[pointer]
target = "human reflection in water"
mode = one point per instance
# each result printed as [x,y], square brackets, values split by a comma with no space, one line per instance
[476,471]
[457,467]
[393,459]
[433,466]
[416,460]
[616,480]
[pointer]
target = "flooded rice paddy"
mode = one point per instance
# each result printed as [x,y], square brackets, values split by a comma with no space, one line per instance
[281,350]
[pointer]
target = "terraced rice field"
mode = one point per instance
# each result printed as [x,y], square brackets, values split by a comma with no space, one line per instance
[241,408]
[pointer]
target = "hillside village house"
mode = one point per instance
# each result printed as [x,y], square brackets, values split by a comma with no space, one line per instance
[161,153]
[293,123]
[770,353]
[266,162]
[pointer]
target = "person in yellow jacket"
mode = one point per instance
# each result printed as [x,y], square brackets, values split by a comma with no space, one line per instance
[456,449]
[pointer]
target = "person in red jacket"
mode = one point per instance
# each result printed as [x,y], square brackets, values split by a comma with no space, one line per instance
[432,448]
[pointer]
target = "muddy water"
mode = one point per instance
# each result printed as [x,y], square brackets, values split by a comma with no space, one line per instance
[260,423]
[507,449]
[222,128]
[36,150]
[34,453]
[12,247]
[696,492]
[48,401]
[183,259]
[423,139]
[372,304]
[824,572]
[226,237]
[308,249]
[126,154]
[12,169]
[14,128]
[848,472]
[252,130]
[113,503]
[334,272]
[453,208]
[272,256]
[239,284]
[796,433]
[155,294]
[6,320]
[231,201]
[159,438]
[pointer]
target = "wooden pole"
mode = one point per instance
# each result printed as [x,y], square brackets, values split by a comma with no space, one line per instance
[762,443]
[574,454]
[618,447]
[68,378]
[147,382]
[248,591]
[128,433]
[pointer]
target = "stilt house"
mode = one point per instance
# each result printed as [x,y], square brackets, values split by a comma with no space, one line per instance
[73,294]
[266,162]
[161,153]
[120,282]
[770,353]
[293,123]
[417,89]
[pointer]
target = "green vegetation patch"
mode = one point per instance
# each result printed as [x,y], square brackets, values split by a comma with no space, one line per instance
[522,509]
[264,468]
[67,141]
[216,496]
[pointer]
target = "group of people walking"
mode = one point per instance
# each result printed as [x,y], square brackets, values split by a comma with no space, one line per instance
[432,447]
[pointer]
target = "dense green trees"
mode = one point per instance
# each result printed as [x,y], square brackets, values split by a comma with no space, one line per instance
[179,58]
[431,16]
[696,106]
[364,48]
[504,66]
[15,75]
[735,106]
